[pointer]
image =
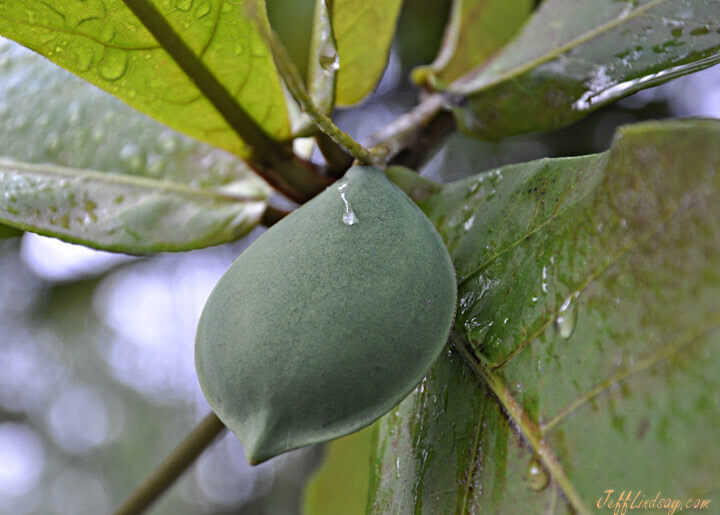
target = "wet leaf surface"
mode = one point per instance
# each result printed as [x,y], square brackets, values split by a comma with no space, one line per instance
[477,29]
[589,304]
[363,31]
[104,43]
[125,214]
[575,56]
[47,115]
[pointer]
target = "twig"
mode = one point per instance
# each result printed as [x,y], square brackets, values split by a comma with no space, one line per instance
[409,132]
[173,467]
[427,139]
[337,159]
[295,85]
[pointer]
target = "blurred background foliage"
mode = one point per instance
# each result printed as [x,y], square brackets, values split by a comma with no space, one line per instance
[96,350]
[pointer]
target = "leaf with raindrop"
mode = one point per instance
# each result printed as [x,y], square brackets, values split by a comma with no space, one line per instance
[363,31]
[47,115]
[589,320]
[205,53]
[123,213]
[574,56]
[324,62]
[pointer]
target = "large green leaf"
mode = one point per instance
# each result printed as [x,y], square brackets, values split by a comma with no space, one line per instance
[225,60]
[363,32]
[589,307]
[477,29]
[48,115]
[576,55]
[123,213]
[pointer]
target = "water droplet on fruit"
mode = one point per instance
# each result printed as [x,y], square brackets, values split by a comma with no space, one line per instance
[348,216]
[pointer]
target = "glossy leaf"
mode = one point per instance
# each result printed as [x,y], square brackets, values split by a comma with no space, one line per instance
[48,115]
[589,314]
[104,43]
[324,61]
[477,29]
[340,486]
[575,56]
[125,214]
[363,32]
[293,23]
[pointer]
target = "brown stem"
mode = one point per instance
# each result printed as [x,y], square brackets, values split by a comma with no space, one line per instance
[273,215]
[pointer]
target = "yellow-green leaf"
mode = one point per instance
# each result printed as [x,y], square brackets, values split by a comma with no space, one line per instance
[477,29]
[363,31]
[103,42]
[340,486]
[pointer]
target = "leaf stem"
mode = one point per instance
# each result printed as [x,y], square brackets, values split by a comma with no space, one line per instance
[409,138]
[173,467]
[337,159]
[274,161]
[295,84]
[273,215]
[527,427]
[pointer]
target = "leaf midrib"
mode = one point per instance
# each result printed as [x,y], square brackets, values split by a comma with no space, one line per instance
[126,180]
[519,70]
[237,118]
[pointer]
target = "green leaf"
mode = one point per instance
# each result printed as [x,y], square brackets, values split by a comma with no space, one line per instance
[340,486]
[477,29]
[207,53]
[122,213]
[577,55]
[324,61]
[589,306]
[363,32]
[9,232]
[293,22]
[51,116]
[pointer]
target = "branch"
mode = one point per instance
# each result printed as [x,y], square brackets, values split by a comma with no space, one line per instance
[274,161]
[410,137]
[337,159]
[173,467]
[295,85]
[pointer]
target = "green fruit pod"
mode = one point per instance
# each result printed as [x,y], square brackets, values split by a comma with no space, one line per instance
[328,320]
